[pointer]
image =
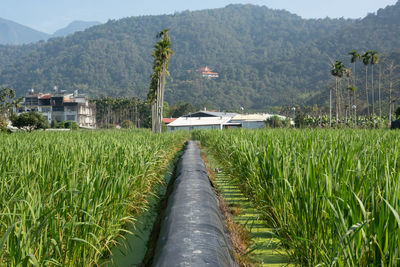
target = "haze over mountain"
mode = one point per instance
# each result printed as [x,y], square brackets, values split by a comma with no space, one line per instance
[75,26]
[14,33]
[265,57]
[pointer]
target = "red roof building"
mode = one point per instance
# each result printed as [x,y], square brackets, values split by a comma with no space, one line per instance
[206,72]
[168,120]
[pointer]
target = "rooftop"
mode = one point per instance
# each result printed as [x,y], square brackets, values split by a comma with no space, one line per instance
[168,120]
[199,121]
[211,114]
[45,96]
[254,117]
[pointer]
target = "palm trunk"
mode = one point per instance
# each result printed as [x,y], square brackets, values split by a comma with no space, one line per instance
[390,94]
[330,107]
[160,99]
[337,104]
[366,88]
[349,105]
[163,81]
[379,88]
[154,117]
[158,111]
[354,96]
[373,93]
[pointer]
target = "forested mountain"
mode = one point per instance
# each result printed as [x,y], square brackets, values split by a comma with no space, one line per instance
[14,33]
[75,26]
[264,57]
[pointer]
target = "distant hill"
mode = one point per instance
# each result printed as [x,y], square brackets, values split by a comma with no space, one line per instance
[14,33]
[264,57]
[75,26]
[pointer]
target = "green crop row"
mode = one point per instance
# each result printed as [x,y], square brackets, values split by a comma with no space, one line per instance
[332,195]
[65,198]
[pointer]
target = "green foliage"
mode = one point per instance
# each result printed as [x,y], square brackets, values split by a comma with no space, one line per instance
[3,125]
[71,125]
[31,121]
[64,125]
[108,126]
[397,113]
[277,122]
[66,198]
[116,110]
[127,124]
[166,110]
[331,196]
[57,124]
[299,120]
[6,102]
[181,108]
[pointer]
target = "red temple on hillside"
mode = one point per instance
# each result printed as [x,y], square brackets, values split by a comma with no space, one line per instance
[207,73]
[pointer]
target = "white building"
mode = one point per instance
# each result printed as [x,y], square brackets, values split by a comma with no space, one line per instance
[61,107]
[202,120]
[253,121]
[220,120]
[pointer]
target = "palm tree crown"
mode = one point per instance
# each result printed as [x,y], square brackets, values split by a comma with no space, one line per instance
[354,56]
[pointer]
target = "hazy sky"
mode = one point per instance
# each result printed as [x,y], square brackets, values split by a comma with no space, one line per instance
[50,15]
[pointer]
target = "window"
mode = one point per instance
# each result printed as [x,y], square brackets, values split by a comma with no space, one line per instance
[70,117]
[58,108]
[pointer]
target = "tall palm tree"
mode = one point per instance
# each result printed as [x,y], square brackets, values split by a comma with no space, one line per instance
[374,59]
[161,55]
[349,74]
[391,68]
[366,59]
[354,57]
[338,69]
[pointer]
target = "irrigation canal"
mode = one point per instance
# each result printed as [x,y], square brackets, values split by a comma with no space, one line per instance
[185,226]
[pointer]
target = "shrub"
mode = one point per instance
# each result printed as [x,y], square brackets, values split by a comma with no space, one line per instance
[127,124]
[71,125]
[274,122]
[31,121]
[299,120]
[3,125]
[397,112]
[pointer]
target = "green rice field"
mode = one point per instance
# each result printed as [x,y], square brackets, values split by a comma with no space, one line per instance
[65,198]
[331,196]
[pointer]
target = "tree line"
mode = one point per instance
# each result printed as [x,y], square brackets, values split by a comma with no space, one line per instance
[369,101]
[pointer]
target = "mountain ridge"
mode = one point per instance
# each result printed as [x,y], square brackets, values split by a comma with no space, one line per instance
[263,55]
[14,33]
[74,26]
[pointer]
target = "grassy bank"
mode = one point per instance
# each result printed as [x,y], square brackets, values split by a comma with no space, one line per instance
[65,198]
[331,196]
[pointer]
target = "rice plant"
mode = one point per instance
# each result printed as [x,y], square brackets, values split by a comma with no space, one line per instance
[65,198]
[332,196]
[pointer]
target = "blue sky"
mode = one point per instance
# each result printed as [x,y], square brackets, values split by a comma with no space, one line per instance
[51,15]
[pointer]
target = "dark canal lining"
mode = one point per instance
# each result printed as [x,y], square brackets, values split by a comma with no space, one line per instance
[193,231]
